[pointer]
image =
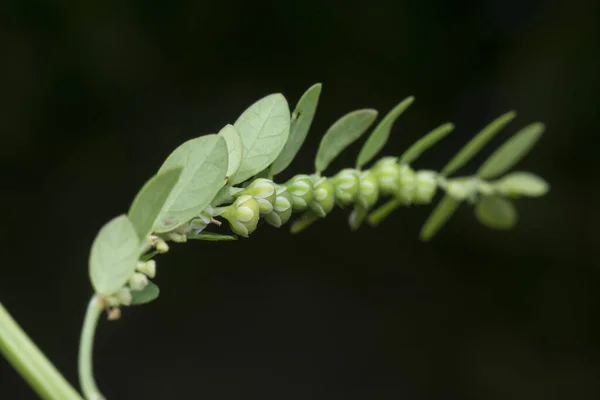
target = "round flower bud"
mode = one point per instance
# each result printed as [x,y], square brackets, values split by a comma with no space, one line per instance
[300,187]
[345,185]
[323,197]
[242,215]
[387,171]
[264,192]
[426,186]
[406,184]
[368,192]
[148,268]
[138,281]
[124,296]
[282,209]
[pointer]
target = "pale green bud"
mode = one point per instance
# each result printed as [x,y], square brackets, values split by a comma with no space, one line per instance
[282,209]
[300,187]
[368,192]
[407,184]
[243,215]
[345,185]
[462,188]
[177,237]
[426,186]
[323,197]
[138,281]
[202,220]
[148,268]
[124,296]
[264,192]
[159,244]
[387,171]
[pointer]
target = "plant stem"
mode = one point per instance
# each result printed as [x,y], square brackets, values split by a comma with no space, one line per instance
[30,362]
[382,212]
[86,348]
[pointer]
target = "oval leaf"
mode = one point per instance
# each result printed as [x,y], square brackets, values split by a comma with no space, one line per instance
[381,133]
[302,118]
[204,161]
[522,184]
[150,200]
[511,152]
[438,217]
[427,141]
[114,255]
[146,295]
[476,144]
[496,212]
[341,134]
[264,128]
[234,148]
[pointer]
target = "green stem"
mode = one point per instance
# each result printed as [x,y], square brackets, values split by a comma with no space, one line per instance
[31,363]
[382,212]
[86,348]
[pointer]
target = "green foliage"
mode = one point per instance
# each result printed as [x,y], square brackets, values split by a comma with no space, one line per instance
[235,148]
[427,141]
[205,162]
[210,237]
[381,133]
[146,295]
[518,184]
[496,212]
[302,118]
[513,150]
[114,255]
[150,200]
[341,134]
[476,144]
[438,217]
[264,128]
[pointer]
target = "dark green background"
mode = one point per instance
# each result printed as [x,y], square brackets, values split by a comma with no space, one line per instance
[95,94]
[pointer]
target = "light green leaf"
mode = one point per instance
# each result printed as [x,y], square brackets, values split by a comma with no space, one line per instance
[381,133]
[356,217]
[150,200]
[146,295]
[496,212]
[264,128]
[114,255]
[302,118]
[341,134]
[382,212]
[477,143]
[427,141]
[438,217]
[304,221]
[235,149]
[211,237]
[204,161]
[149,256]
[511,152]
[522,184]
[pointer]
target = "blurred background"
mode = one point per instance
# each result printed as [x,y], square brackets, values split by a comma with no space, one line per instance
[95,95]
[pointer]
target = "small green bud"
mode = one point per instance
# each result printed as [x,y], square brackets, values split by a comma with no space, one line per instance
[138,281]
[300,187]
[368,192]
[124,296]
[345,185]
[148,268]
[159,244]
[387,171]
[282,209]
[264,192]
[177,237]
[243,215]
[426,186]
[406,184]
[323,196]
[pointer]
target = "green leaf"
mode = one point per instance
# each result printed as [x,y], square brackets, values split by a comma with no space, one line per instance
[438,217]
[235,149]
[382,212]
[381,133]
[114,255]
[477,143]
[496,212]
[427,141]
[150,200]
[511,152]
[204,161]
[146,295]
[356,217]
[522,184]
[264,128]
[305,220]
[211,237]
[302,118]
[149,256]
[341,134]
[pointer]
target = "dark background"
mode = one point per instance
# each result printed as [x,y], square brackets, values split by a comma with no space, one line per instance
[94,95]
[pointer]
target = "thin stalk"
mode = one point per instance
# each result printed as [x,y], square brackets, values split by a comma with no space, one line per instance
[86,348]
[382,212]
[31,363]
